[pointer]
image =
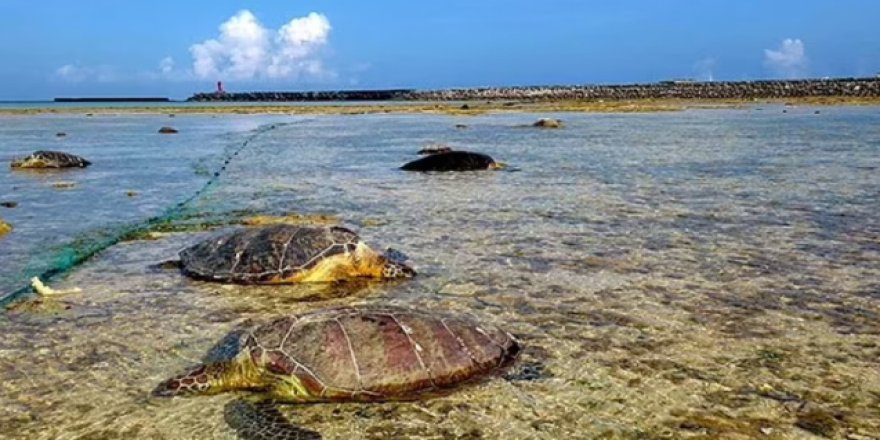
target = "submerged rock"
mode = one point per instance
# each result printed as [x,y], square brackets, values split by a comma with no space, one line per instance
[50,159]
[168,130]
[453,161]
[9,204]
[547,123]
[818,421]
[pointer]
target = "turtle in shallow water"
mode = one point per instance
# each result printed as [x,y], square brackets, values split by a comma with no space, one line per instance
[282,253]
[547,123]
[353,354]
[50,159]
[454,161]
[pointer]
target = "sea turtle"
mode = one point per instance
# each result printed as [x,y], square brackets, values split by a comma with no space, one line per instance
[547,123]
[284,253]
[454,161]
[353,354]
[50,159]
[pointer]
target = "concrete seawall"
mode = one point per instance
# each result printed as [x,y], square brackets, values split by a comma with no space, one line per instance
[844,87]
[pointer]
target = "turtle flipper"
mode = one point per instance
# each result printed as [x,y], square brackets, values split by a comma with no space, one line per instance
[254,419]
[231,344]
[166,265]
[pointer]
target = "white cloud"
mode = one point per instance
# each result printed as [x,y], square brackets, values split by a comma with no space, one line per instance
[71,73]
[247,50]
[76,73]
[166,65]
[790,60]
[244,50]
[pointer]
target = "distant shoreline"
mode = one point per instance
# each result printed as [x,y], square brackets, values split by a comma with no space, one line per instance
[624,98]
[471,108]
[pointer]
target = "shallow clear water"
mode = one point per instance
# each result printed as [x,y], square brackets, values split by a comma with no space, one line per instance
[700,273]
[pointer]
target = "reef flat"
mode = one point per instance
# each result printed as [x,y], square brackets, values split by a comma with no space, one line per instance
[450,108]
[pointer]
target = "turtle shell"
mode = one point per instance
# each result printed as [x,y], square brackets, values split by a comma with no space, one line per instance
[265,255]
[51,159]
[379,353]
[451,161]
[435,149]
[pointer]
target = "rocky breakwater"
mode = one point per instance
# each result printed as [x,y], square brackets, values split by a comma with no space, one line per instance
[847,87]
[340,95]
[769,89]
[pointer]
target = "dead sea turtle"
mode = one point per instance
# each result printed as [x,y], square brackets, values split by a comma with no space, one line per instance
[454,161]
[282,253]
[547,123]
[50,159]
[360,354]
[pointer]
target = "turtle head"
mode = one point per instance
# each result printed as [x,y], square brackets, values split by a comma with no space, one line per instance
[239,373]
[495,165]
[396,269]
[390,264]
[200,380]
[394,265]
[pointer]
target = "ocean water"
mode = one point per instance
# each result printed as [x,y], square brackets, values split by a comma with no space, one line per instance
[702,273]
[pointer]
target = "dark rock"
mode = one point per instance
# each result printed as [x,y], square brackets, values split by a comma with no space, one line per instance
[9,204]
[168,130]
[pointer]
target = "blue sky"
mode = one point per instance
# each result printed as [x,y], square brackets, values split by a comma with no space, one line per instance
[173,48]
